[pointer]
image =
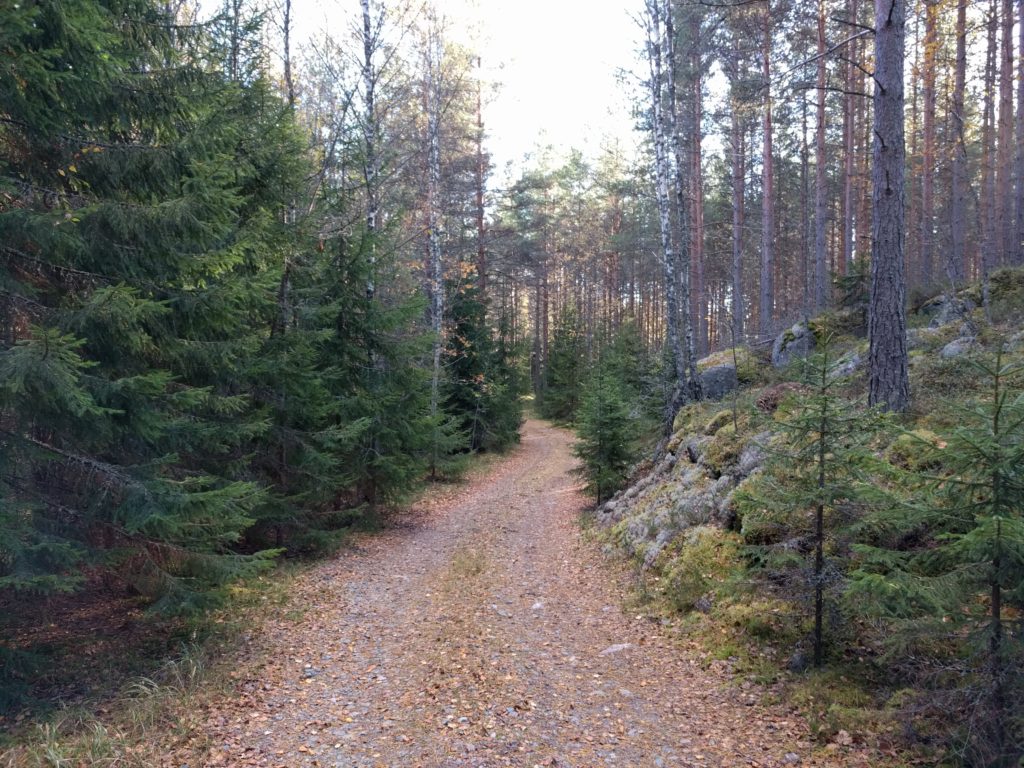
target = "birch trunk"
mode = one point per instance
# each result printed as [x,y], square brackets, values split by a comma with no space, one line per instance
[849,132]
[988,198]
[1017,255]
[689,381]
[663,173]
[888,383]
[481,171]
[370,131]
[432,88]
[700,319]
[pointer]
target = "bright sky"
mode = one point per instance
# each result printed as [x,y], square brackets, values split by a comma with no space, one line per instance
[555,61]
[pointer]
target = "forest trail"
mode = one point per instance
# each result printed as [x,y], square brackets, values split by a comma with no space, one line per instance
[482,630]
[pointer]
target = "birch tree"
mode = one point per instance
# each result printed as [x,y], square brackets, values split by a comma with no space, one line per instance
[664,175]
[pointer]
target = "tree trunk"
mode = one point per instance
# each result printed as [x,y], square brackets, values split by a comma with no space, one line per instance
[1004,144]
[432,88]
[849,133]
[370,130]
[688,380]
[956,269]
[989,217]
[820,191]
[767,292]
[1017,256]
[481,172]
[888,383]
[738,197]
[700,319]
[927,218]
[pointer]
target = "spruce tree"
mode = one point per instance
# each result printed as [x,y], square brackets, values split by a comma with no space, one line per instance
[607,429]
[799,512]
[480,390]
[949,562]
[140,186]
[563,376]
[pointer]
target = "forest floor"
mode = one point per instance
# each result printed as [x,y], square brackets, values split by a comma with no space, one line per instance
[484,628]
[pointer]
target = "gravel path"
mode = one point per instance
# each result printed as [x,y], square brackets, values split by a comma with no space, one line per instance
[482,630]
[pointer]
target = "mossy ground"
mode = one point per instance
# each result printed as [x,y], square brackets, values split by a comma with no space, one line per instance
[704,585]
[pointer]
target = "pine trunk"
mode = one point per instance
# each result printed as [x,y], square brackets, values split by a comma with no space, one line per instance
[738,197]
[927,218]
[1004,144]
[956,270]
[767,292]
[820,179]
[849,133]
[887,325]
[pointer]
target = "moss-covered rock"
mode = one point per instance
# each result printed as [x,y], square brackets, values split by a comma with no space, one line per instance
[718,421]
[704,560]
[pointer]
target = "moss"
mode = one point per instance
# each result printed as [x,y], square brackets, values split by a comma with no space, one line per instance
[749,369]
[705,560]
[723,451]
[688,418]
[842,323]
[758,619]
[916,450]
[718,421]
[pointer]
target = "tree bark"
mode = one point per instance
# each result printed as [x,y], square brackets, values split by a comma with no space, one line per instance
[956,265]
[738,199]
[767,292]
[820,178]
[849,133]
[370,131]
[1004,144]
[888,383]
[688,379]
[927,218]
[1017,255]
[481,172]
[988,193]
[432,87]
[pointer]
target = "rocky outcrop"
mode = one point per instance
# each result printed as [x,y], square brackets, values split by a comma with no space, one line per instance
[685,489]
[793,344]
[718,381]
[945,309]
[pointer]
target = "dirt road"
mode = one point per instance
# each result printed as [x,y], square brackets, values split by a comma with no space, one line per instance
[484,630]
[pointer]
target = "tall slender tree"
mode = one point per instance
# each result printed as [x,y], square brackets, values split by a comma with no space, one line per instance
[888,378]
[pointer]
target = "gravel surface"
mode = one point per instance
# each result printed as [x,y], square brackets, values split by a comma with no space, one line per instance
[482,629]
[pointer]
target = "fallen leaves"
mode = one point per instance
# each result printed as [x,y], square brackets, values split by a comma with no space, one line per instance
[479,631]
